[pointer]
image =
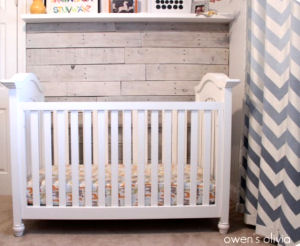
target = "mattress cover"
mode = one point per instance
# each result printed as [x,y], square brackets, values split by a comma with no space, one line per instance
[121,186]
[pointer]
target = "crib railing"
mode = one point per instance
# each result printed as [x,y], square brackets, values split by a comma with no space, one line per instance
[54,128]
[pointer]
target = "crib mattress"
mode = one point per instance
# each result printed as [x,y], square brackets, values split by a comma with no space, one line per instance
[121,190]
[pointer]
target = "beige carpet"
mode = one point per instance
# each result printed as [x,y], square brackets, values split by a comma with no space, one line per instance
[196,232]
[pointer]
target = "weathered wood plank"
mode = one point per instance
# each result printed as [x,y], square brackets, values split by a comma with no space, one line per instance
[185,39]
[93,89]
[126,27]
[119,98]
[70,99]
[40,57]
[54,89]
[177,55]
[158,87]
[74,73]
[82,89]
[67,40]
[168,27]
[181,72]
[145,98]
[70,27]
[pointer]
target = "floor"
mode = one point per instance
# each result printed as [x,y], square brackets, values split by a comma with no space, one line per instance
[196,232]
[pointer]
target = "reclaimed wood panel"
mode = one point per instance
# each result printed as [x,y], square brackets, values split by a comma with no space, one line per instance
[70,99]
[119,98]
[70,27]
[186,39]
[41,57]
[158,87]
[67,40]
[74,73]
[170,27]
[181,72]
[177,55]
[123,27]
[125,98]
[93,89]
[54,88]
[125,61]
[74,89]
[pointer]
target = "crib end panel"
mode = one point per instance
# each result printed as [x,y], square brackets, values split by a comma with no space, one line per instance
[213,86]
[27,86]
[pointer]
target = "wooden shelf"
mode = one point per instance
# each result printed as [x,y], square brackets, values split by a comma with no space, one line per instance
[138,17]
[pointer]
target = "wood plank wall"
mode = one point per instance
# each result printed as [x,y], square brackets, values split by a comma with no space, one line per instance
[125,61]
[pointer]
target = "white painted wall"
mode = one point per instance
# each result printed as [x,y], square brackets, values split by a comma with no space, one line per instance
[8,66]
[237,69]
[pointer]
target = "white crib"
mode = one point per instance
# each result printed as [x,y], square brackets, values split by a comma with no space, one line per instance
[120,160]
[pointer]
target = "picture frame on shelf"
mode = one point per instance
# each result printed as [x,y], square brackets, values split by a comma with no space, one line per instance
[123,6]
[200,6]
[72,7]
[169,6]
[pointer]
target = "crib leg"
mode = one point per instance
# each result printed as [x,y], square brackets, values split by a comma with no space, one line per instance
[223,227]
[19,229]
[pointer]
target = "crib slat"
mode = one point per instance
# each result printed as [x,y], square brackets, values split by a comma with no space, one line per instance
[61,155]
[127,155]
[219,151]
[87,156]
[181,156]
[141,157]
[55,135]
[35,156]
[134,137]
[114,157]
[194,156]
[154,157]
[167,128]
[75,158]
[67,138]
[146,137]
[48,156]
[94,137]
[101,156]
[106,136]
[174,135]
[207,156]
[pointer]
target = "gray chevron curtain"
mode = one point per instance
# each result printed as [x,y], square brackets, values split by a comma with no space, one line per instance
[270,166]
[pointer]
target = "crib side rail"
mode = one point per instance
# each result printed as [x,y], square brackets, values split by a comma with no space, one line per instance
[106,126]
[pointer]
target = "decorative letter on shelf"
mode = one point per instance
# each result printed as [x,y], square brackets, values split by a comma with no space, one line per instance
[72,6]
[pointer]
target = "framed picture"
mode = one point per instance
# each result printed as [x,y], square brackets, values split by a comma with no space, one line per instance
[169,6]
[200,6]
[72,7]
[123,6]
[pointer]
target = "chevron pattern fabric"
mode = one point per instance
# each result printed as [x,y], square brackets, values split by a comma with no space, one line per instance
[270,165]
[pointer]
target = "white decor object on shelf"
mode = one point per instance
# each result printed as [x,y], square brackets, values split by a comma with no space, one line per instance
[104,8]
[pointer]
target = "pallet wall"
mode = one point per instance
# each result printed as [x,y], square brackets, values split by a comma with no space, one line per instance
[125,61]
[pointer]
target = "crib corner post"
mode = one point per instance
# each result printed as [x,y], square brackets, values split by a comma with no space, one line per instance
[22,87]
[18,226]
[19,230]
[223,225]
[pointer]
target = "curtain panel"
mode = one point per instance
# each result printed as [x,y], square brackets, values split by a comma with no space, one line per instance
[270,163]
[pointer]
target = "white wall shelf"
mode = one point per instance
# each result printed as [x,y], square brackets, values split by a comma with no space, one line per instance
[137,17]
